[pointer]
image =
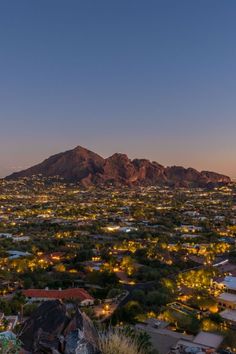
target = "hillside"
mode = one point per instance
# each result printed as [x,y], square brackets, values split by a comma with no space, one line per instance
[88,168]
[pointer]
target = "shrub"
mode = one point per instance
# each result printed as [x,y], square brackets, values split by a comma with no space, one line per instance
[9,346]
[114,341]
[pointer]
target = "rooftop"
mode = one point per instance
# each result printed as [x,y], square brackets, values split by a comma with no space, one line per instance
[208,339]
[230,282]
[73,293]
[229,315]
[227,297]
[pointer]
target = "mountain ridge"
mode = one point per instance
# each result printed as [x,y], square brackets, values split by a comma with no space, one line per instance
[88,168]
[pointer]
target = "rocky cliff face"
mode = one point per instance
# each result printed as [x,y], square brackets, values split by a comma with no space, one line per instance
[86,167]
[184,177]
[50,330]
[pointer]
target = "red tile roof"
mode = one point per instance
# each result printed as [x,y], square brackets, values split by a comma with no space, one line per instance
[73,293]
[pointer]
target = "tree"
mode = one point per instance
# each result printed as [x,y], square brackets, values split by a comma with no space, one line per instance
[60,267]
[127,265]
[114,292]
[102,278]
[127,313]
[138,295]
[141,338]
[156,298]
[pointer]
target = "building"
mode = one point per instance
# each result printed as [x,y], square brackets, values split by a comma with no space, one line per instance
[77,294]
[229,283]
[203,342]
[8,322]
[227,300]
[167,341]
[20,238]
[229,317]
[13,254]
[208,340]
[5,235]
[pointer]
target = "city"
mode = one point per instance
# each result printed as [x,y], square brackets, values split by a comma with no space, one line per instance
[158,259]
[117,177]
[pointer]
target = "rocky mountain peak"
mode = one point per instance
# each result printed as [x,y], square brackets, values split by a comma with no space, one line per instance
[88,168]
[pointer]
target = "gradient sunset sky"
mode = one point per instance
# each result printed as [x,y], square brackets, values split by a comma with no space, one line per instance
[151,78]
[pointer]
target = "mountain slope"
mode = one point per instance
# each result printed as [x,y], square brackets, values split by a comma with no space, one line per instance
[88,168]
[73,165]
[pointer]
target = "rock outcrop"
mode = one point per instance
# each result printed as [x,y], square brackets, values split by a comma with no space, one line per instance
[50,330]
[86,167]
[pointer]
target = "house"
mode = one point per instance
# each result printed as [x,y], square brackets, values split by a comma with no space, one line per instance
[189,228]
[128,229]
[5,235]
[13,254]
[190,236]
[21,239]
[11,321]
[229,283]
[167,341]
[76,294]
[202,343]
[229,316]
[207,339]
[227,300]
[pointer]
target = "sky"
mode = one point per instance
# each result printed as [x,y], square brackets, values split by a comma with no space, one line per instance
[150,78]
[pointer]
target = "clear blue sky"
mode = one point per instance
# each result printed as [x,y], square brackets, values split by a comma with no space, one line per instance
[154,78]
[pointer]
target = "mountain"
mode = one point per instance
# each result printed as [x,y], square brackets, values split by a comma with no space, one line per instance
[74,165]
[88,168]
